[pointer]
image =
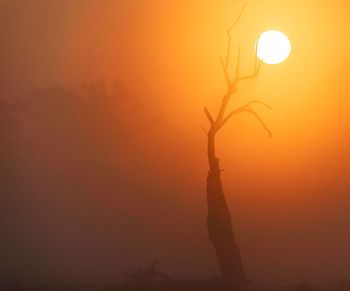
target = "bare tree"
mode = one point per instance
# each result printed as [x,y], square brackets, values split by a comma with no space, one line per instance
[219,219]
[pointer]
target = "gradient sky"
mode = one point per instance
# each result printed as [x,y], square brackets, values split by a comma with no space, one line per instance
[289,195]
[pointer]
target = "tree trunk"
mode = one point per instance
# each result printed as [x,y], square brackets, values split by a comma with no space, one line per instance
[220,227]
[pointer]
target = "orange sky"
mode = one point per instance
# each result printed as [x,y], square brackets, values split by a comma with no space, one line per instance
[289,194]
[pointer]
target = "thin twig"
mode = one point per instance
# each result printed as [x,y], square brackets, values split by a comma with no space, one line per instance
[225,64]
[228,52]
[261,121]
[210,118]
[233,84]
[238,62]
[228,81]
[237,19]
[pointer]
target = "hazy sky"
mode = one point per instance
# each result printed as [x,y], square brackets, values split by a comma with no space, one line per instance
[289,195]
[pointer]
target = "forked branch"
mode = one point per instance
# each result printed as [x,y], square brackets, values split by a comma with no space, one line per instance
[255,74]
[232,84]
[210,118]
[225,64]
[257,67]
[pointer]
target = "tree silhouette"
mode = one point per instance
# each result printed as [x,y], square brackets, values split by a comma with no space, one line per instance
[219,219]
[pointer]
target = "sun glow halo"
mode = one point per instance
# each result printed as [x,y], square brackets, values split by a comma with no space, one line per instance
[273,47]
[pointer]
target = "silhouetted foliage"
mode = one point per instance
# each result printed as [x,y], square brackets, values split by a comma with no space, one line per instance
[146,278]
[62,137]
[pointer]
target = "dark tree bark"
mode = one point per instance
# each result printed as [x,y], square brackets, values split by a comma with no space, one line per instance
[220,227]
[219,218]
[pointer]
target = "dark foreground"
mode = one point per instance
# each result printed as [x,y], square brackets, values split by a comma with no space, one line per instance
[169,285]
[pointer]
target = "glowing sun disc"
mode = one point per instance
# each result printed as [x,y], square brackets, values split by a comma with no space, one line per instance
[273,47]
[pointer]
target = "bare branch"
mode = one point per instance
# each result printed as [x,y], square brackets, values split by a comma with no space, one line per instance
[225,64]
[210,118]
[257,68]
[259,102]
[243,108]
[256,55]
[228,81]
[233,84]
[238,62]
[258,64]
[237,19]
[224,103]
[228,52]
[261,121]
[238,110]
[227,60]
[255,74]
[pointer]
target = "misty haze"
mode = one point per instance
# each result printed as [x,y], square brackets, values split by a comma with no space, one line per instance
[150,145]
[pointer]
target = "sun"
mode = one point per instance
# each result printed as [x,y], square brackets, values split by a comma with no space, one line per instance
[273,47]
